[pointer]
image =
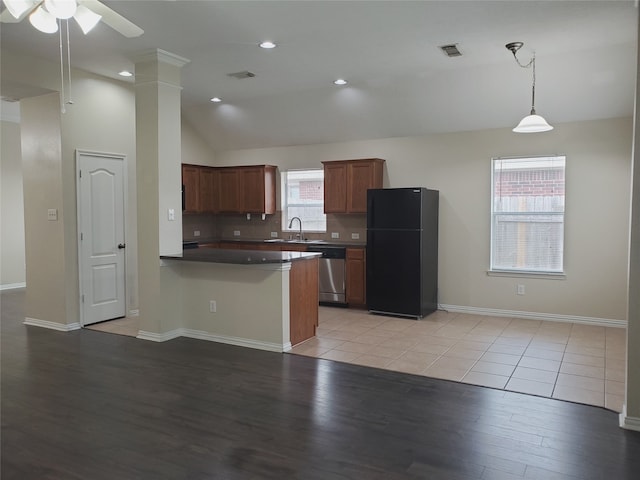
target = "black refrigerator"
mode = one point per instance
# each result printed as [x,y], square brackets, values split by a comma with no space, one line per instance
[402,251]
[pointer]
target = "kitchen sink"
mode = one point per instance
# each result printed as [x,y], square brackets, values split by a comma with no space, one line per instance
[295,240]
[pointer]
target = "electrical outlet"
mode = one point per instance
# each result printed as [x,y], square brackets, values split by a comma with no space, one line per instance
[355,236]
[196,233]
[520,290]
[274,234]
[236,233]
[212,306]
[171,214]
[335,235]
[52,214]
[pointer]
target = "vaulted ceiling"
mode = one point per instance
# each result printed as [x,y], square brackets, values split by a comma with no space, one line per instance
[399,81]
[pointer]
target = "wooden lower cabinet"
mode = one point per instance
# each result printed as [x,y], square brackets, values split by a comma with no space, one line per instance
[303,300]
[355,277]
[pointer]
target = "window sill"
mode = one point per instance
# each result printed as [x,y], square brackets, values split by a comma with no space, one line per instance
[527,274]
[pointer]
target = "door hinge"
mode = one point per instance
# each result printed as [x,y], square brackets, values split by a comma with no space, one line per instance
[82,298]
[81,236]
[80,171]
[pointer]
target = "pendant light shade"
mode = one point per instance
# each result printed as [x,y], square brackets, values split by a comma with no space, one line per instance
[86,18]
[61,9]
[533,124]
[43,20]
[17,8]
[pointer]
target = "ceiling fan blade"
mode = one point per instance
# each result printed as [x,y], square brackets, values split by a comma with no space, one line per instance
[6,16]
[113,19]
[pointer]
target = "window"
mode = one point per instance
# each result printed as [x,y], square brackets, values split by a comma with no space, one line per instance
[527,210]
[303,197]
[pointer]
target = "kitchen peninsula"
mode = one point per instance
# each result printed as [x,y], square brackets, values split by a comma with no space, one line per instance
[260,299]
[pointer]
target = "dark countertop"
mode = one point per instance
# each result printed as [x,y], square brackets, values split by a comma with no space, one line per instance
[239,257]
[269,242]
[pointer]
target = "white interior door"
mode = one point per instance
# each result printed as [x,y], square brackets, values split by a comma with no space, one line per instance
[101,236]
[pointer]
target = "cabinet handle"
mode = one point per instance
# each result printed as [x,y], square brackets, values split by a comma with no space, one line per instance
[121,246]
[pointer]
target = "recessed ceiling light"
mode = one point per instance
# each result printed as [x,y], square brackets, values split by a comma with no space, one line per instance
[267,45]
[216,99]
[125,73]
[340,81]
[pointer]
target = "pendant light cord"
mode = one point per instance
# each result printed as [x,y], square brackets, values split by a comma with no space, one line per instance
[532,64]
[63,98]
[70,101]
[533,86]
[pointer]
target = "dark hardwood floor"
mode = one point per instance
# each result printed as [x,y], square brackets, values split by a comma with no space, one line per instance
[90,405]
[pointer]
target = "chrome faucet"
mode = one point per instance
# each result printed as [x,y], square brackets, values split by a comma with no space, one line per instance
[300,222]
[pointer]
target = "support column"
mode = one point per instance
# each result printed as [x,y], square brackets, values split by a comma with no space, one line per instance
[158,181]
[630,417]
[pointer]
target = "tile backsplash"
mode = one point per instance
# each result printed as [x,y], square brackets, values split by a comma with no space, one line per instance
[212,226]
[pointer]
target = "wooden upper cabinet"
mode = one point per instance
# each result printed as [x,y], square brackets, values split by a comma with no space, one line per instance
[209,186]
[250,189]
[335,187]
[191,188]
[229,191]
[346,183]
[258,189]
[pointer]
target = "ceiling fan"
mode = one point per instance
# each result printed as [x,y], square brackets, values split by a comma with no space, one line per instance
[44,15]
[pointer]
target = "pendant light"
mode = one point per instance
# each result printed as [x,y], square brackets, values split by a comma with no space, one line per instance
[62,9]
[86,18]
[43,20]
[532,123]
[17,8]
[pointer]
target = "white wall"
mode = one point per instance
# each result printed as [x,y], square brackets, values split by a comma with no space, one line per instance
[12,261]
[194,149]
[101,119]
[458,165]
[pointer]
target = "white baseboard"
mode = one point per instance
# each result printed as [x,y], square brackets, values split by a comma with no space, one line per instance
[202,335]
[629,423]
[240,342]
[550,317]
[61,327]
[12,286]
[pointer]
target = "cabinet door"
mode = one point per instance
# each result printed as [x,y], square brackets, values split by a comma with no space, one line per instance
[252,190]
[190,188]
[335,187]
[208,190]
[361,176]
[356,277]
[229,191]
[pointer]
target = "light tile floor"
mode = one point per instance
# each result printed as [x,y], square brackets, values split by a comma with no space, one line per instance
[567,361]
[121,326]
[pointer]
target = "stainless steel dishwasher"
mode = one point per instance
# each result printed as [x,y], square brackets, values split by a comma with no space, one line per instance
[331,274]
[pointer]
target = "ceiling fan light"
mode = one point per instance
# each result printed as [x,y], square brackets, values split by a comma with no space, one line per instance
[17,8]
[62,9]
[86,18]
[533,124]
[43,20]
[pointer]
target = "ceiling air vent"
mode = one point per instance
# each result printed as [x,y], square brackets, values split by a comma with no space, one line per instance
[245,74]
[451,50]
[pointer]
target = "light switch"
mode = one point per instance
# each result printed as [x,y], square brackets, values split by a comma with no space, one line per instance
[52,214]
[171,214]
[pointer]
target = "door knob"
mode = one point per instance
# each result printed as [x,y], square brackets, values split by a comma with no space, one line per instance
[121,246]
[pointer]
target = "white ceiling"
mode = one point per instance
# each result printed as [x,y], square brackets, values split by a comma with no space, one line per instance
[400,83]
